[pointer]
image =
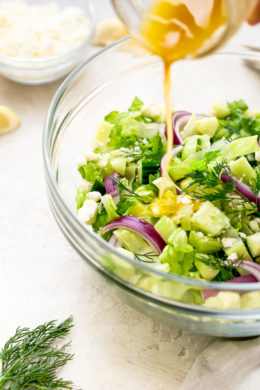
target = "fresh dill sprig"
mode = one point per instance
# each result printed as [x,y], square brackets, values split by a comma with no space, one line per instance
[217,262]
[135,155]
[148,257]
[205,177]
[231,128]
[256,183]
[29,360]
[212,189]
[124,188]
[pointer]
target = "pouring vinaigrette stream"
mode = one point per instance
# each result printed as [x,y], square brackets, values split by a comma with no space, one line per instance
[173,30]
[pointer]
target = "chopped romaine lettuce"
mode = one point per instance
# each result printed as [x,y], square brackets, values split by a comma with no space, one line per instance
[91,172]
[80,197]
[147,192]
[112,117]
[136,105]
[110,207]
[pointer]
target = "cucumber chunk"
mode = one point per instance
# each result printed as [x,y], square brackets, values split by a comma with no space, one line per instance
[207,126]
[103,131]
[250,299]
[165,227]
[119,164]
[178,171]
[194,144]
[210,220]
[253,243]
[132,241]
[207,272]
[204,243]
[242,170]
[241,147]
[236,245]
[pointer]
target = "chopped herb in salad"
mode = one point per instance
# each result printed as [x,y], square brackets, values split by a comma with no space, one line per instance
[201,219]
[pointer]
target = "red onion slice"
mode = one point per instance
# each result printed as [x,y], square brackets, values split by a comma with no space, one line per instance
[143,228]
[111,187]
[240,279]
[242,188]
[179,121]
[113,241]
[251,267]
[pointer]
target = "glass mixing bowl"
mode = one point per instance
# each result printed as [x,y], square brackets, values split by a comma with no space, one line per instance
[108,81]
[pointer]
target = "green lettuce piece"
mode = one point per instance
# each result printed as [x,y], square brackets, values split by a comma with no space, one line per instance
[116,139]
[128,132]
[136,105]
[101,220]
[110,207]
[237,106]
[112,117]
[124,204]
[132,127]
[132,206]
[179,255]
[238,123]
[80,197]
[181,262]
[170,256]
[241,147]
[147,192]
[91,172]
[179,169]
[179,239]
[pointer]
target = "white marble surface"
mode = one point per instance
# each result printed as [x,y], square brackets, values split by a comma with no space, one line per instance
[42,278]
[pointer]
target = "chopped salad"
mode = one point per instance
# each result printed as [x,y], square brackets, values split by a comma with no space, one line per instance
[201,219]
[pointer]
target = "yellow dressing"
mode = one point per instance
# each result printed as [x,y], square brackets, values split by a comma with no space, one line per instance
[174,29]
[171,205]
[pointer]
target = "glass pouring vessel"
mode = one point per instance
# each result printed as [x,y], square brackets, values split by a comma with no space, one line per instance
[133,12]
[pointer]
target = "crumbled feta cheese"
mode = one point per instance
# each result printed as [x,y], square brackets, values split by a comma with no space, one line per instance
[91,156]
[242,235]
[151,110]
[84,185]
[81,161]
[257,156]
[40,30]
[228,242]
[94,195]
[233,257]
[103,162]
[88,211]
[254,226]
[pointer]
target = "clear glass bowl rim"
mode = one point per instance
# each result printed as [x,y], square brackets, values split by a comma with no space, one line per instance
[16,61]
[238,287]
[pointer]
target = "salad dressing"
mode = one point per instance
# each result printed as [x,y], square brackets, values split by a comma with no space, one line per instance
[174,29]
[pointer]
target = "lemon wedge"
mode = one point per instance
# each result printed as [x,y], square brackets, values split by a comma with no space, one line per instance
[8,120]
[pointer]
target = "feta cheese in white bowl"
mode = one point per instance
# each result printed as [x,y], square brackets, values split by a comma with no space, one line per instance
[41,41]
